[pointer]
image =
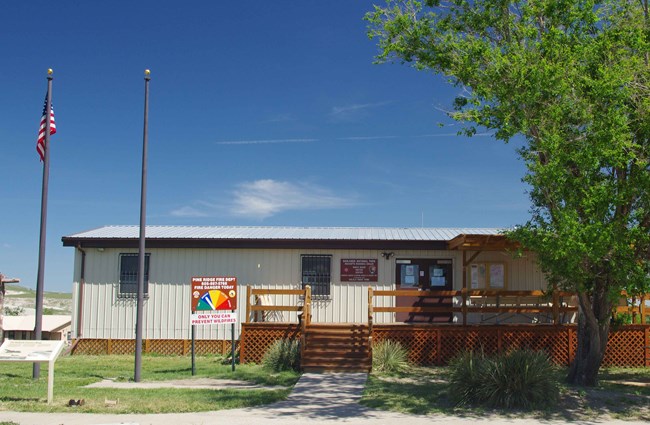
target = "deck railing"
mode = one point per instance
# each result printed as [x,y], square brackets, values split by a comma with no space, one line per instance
[553,304]
[304,311]
[635,306]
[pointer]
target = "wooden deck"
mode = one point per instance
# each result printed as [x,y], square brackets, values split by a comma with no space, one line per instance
[349,346]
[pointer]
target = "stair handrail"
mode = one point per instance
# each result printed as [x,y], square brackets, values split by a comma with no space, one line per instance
[251,309]
[305,320]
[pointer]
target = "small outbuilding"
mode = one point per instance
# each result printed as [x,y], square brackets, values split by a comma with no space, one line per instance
[54,327]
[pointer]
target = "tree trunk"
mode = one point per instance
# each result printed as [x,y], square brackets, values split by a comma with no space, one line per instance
[593,331]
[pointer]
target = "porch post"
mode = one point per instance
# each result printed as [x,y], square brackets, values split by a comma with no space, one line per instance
[464,290]
[556,306]
[248,303]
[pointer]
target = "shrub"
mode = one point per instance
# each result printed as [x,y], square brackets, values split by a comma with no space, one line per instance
[284,354]
[467,372]
[389,356]
[519,379]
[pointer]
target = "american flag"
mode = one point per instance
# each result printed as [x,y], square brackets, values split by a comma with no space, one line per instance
[40,143]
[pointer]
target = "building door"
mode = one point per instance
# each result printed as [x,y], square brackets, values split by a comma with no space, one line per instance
[424,274]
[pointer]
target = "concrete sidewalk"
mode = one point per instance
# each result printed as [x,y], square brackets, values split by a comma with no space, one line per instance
[316,399]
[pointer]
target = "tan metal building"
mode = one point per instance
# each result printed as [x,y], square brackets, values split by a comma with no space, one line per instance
[338,263]
[54,327]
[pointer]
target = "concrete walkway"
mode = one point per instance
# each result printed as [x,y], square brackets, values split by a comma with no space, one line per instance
[316,399]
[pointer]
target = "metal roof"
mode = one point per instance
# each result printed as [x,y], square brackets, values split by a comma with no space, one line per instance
[282,233]
[50,323]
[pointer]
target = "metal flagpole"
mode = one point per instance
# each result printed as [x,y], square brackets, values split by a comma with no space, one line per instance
[38,324]
[141,251]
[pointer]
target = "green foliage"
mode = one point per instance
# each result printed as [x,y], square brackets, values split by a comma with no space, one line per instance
[13,311]
[284,354]
[520,379]
[389,356]
[572,81]
[467,371]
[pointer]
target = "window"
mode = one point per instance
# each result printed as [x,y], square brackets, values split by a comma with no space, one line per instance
[316,272]
[488,275]
[129,275]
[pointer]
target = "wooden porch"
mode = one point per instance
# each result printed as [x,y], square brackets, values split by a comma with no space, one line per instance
[348,347]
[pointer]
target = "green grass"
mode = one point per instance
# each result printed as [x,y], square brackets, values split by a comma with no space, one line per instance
[419,390]
[425,390]
[19,392]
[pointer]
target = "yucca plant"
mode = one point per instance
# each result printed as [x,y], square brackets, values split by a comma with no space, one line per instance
[520,379]
[467,372]
[389,356]
[284,354]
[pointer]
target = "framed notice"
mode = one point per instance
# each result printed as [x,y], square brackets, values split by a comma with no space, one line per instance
[359,270]
[497,275]
[477,277]
[410,275]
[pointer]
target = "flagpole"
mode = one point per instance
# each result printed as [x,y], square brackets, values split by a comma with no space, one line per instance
[38,323]
[141,250]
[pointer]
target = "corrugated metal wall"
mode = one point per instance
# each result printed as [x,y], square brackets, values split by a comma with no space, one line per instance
[167,309]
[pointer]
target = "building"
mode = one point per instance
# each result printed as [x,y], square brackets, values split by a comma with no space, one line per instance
[54,327]
[338,263]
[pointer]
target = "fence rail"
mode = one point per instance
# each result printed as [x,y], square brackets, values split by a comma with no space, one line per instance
[556,305]
[553,303]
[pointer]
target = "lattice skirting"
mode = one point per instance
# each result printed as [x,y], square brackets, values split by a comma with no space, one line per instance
[628,346]
[427,344]
[256,338]
[178,347]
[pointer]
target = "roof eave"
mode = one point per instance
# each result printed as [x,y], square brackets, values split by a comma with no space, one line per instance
[254,243]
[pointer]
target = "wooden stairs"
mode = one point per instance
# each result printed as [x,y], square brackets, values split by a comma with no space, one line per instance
[336,348]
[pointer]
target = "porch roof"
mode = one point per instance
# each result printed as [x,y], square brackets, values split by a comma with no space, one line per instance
[476,242]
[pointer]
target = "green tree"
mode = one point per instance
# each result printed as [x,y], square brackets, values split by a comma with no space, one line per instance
[571,78]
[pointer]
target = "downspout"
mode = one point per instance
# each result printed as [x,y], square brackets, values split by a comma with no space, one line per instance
[82,280]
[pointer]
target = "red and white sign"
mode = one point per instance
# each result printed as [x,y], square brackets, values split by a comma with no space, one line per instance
[359,270]
[214,293]
[213,318]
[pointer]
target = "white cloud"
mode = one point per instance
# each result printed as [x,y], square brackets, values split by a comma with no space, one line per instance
[187,211]
[261,199]
[452,135]
[352,112]
[363,138]
[265,198]
[264,141]
[281,118]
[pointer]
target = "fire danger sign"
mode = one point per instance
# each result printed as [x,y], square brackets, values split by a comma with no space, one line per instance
[214,293]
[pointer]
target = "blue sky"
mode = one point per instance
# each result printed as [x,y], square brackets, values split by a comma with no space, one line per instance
[261,113]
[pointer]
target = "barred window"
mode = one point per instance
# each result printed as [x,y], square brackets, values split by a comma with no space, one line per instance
[129,274]
[316,272]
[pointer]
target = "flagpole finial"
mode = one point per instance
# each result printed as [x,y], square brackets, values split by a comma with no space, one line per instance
[147,73]
[50,71]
